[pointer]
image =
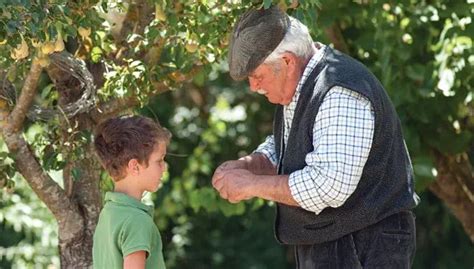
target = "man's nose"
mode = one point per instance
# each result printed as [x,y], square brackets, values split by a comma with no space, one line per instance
[253,84]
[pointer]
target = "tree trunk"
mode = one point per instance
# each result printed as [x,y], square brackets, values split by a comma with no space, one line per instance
[77,252]
[455,187]
[81,175]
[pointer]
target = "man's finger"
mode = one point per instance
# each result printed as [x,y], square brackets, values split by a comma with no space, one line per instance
[218,176]
[218,184]
[223,166]
[223,194]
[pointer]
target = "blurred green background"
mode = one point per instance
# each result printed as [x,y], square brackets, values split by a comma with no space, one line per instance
[420,50]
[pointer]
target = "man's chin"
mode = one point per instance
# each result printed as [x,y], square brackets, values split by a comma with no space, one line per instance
[276,102]
[272,101]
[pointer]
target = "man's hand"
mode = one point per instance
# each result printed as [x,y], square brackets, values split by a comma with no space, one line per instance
[232,164]
[234,185]
[228,165]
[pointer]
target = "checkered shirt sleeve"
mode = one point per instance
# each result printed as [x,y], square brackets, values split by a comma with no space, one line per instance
[267,148]
[342,138]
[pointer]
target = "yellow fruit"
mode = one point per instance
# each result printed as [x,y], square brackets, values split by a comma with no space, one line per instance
[191,47]
[153,55]
[282,5]
[59,44]
[3,104]
[36,43]
[21,51]
[3,42]
[48,48]
[177,76]
[178,7]
[43,61]
[159,13]
[294,4]
[84,32]
[10,186]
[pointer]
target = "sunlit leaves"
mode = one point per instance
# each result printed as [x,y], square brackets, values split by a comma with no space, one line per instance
[28,23]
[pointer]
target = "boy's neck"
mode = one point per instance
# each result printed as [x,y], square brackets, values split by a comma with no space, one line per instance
[132,192]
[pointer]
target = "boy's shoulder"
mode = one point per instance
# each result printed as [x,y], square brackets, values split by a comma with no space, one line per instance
[118,217]
[122,206]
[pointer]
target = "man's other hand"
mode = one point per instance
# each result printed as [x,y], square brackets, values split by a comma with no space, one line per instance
[234,185]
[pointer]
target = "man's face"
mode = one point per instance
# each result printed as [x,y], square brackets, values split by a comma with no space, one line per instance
[277,81]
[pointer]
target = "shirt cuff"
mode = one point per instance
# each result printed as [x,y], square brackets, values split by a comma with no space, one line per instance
[270,156]
[305,192]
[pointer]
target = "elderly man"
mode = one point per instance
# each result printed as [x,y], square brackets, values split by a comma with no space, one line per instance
[336,164]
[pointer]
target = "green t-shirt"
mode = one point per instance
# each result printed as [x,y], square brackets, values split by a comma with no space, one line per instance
[125,226]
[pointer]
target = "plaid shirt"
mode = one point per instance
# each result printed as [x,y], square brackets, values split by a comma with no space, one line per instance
[342,138]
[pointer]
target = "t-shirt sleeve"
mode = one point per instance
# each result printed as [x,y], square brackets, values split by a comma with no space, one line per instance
[136,234]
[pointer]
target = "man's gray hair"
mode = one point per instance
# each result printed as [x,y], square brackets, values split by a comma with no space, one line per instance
[297,40]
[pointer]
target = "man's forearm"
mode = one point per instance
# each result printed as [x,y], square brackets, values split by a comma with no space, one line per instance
[259,164]
[273,188]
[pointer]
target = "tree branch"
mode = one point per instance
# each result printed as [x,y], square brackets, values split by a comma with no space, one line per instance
[335,35]
[17,117]
[115,106]
[139,15]
[42,184]
[3,113]
[455,186]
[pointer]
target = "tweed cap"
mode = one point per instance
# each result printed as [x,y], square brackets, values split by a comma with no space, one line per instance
[256,34]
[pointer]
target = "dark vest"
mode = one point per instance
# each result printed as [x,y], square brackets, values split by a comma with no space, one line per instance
[386,185]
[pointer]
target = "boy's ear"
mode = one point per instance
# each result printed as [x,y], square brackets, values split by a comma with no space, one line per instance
[133,167]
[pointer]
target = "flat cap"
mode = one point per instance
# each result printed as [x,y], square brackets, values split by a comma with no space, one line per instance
[256,34]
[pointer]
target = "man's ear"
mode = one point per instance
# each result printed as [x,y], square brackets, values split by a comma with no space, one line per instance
[133,167]
[291,62]
[289,58]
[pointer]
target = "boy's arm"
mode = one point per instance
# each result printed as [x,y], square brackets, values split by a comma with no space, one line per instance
[136,260]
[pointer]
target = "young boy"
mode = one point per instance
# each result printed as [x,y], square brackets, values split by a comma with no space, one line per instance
[132,150]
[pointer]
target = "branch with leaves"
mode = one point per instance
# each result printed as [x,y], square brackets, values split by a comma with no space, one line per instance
[26,162]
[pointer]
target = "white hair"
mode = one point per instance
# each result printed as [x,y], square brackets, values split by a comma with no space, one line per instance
[297,40]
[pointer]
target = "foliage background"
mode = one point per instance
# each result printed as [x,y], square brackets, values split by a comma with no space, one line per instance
[420,50]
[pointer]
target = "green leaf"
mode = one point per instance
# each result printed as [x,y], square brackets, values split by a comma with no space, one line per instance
[96,54]
[425,171]
[49,158]
[267,3]
[229,209]
[450,142]
[203,198]
[46,91]
[416,72]
[76,173]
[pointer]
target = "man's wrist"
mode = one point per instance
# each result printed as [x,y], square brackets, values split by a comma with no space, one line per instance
[245,162]
[252,187]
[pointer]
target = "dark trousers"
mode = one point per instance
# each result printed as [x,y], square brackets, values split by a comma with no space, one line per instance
[389,243]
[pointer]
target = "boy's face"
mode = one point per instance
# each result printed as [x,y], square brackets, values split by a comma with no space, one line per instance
[150,176]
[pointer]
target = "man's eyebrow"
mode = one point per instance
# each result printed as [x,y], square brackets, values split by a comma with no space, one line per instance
[253,75]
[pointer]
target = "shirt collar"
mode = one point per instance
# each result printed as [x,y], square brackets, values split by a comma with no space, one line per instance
[307,71]
[123,199]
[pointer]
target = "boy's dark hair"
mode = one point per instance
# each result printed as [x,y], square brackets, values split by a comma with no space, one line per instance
[118,140]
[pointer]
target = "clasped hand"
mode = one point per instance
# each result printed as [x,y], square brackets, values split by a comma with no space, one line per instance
[233,181]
